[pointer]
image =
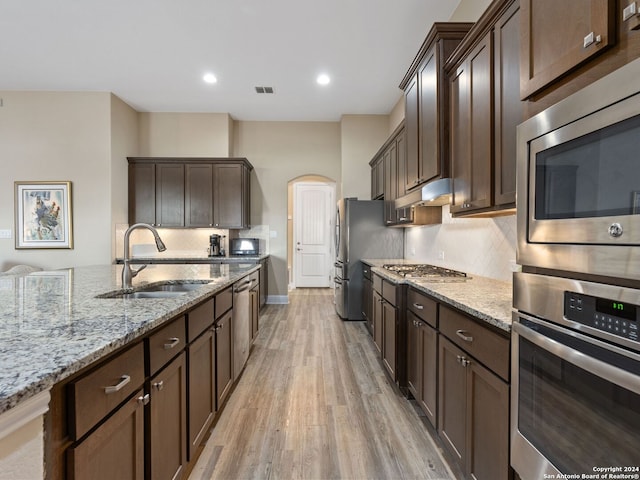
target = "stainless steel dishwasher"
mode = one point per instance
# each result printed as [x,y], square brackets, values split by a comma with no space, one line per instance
[241,323]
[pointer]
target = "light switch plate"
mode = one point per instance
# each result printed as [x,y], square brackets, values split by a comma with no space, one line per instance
[5,233]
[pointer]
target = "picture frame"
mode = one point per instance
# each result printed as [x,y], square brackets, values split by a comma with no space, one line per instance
[43,215]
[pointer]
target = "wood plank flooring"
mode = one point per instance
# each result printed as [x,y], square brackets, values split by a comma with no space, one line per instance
[315,403]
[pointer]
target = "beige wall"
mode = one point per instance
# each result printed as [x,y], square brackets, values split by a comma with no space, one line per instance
[58,136]
[361,137]
[469,10]
[185,134]
[279,152]
[397,115]
[124,143]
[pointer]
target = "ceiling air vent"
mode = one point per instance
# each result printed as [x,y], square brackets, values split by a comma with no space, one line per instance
[264,89]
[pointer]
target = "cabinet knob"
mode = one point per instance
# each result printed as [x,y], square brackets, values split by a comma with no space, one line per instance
[143,399]
[158,385]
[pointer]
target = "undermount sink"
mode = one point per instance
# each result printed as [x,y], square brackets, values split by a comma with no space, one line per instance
[161,290]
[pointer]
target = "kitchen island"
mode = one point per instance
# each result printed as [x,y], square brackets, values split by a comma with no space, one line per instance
[53,324]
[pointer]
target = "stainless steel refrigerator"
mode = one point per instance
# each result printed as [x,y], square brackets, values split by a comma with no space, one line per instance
[360,233]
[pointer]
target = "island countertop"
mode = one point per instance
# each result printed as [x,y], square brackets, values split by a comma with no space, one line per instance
[52,325]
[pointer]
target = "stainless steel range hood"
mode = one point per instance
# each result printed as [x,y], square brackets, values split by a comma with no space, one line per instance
[432,194]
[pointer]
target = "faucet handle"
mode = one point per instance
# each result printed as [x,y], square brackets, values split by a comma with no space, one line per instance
[137,271]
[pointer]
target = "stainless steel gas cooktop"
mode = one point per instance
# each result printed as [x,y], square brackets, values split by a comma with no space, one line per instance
[426,272]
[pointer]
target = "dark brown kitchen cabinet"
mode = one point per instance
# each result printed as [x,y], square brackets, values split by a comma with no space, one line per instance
[202,373]
[168,421]
[377,178]
[264,279]
[377,320]
[190,192]
[115,449]
[367,297]
[473,395]
[557,37]
[485,110]
[231,194]
[254,302]
[473,414]
[427,105]
[422,352]
[390,161]
[389,326]
[388,334]
[224,357]
[198,199]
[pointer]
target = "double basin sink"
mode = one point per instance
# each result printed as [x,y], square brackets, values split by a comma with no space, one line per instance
[157,290]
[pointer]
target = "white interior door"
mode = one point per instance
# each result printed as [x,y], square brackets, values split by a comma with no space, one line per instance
[313,209]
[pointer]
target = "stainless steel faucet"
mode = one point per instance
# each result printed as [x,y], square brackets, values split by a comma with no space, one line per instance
[127,272]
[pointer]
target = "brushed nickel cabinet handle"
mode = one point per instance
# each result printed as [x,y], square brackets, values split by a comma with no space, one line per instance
[418,306]
[124,379]
[464,335]
[143,400]
[159,385]
[173,341]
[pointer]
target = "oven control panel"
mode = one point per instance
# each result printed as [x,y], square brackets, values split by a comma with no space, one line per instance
[611,316]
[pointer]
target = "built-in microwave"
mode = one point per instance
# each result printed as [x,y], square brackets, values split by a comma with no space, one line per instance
[578,181]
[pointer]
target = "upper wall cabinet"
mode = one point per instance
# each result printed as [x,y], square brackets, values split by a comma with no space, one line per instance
[427,106]
[559,36]
[485,110]
[190,192]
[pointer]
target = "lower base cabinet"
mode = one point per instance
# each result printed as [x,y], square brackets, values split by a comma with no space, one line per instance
[422,371]
[168,421]
[115,449]
[224,357]
[202,388]
[473,415]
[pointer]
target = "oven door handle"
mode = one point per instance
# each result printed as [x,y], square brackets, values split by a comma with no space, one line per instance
[601,369]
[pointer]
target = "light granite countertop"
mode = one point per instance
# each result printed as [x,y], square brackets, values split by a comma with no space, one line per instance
[52,325]
[190,258]
[484,298]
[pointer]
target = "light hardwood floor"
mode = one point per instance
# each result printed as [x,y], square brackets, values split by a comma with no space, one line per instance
[315,403]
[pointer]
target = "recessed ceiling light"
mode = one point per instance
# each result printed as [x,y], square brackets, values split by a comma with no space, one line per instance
[323,79]
[210,78]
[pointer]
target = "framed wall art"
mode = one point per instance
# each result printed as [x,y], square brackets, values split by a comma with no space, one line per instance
[43,215]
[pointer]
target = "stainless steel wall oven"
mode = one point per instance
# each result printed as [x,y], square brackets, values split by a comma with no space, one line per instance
[575,362]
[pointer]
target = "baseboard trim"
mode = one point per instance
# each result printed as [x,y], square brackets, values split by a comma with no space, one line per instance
[277,299]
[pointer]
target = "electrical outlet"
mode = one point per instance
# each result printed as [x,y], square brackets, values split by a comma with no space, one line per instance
[441,255]
[5,233]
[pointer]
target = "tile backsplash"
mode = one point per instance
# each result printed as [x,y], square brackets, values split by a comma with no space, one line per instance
[477,246]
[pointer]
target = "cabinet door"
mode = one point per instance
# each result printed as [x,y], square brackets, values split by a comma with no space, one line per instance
[142,193]
[367,302]
[414,356]
[231,196]
[168,417]
[115,449]
[508,110]
[377,179]
[412,132]
[389,320]
[472,124]
[202,388]
[198,201]
[488,425]
[429,115]
[556,38]
[378,313]
[263,283]
[452,388]
[390,184]
[403,215]
[224,357]
[429,371]
[254,295]
[169,195]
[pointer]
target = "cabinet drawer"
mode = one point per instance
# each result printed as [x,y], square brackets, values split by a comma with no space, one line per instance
[490,348]
[166,343]
[424,308]
[389,292]
[377,284]
[224,301]
[199,319]
[94,395]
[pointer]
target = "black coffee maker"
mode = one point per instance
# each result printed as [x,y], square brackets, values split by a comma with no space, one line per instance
[215,246]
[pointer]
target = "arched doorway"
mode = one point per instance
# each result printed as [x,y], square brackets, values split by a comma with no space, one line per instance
[310,225]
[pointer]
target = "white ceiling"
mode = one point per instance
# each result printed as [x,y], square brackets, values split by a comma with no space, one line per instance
[153,53]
